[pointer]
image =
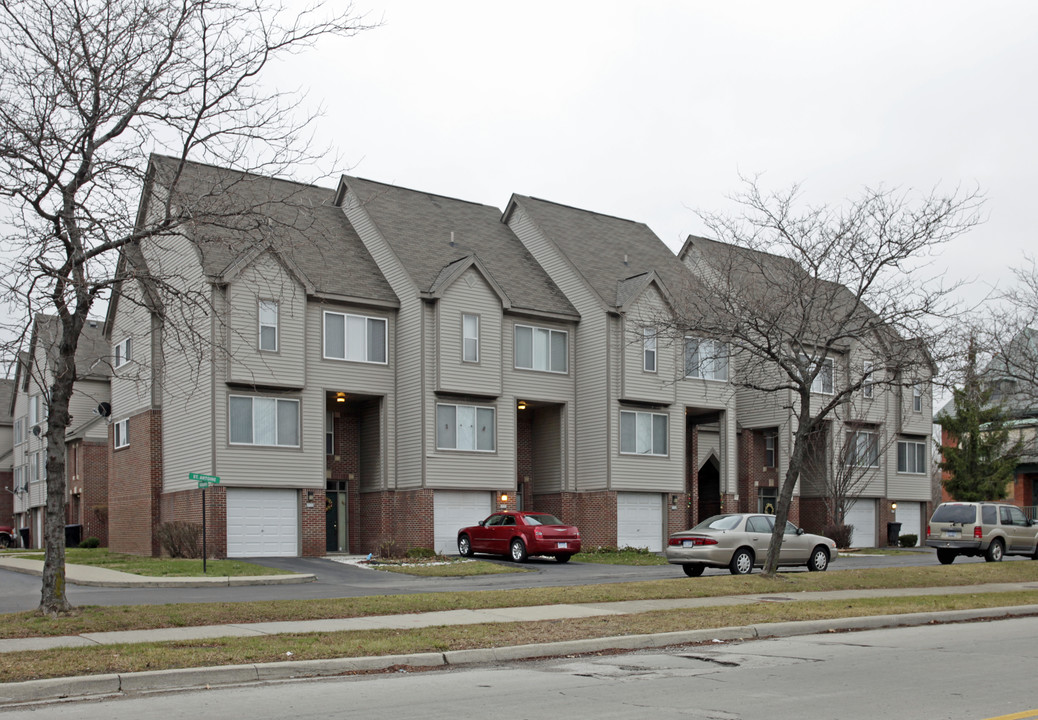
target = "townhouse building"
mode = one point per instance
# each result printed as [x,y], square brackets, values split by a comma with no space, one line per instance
[6,453]
[86,451]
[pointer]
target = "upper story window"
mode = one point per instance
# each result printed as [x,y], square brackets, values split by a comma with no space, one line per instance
[649,349]
[868,388]
[538,348]
[19,431]
[917,398]
[264,421]
[823,382]
[34,410]
[465,427]
[34,467]
[329,433]
[707,359]
[268,325]
[123,352]
[770,449]
[470,338]
[354,337]
[862,449]
[643,433]
[121,433]
[911,457]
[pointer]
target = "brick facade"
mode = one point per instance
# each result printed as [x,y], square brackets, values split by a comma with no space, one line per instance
[6,498]
[91,505]
[134,487]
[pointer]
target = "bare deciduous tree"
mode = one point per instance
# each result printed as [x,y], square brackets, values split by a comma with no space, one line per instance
[87,89]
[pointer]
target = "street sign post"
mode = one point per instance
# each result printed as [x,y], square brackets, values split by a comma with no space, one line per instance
[203,481]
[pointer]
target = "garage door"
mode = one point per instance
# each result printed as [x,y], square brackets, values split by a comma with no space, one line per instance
[639,521]
[862,515]
[262,523]
[909,514]
[453,510]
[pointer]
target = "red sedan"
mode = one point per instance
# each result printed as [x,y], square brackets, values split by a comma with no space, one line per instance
[519,534]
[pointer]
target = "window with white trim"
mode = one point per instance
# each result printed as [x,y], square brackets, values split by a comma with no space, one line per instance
[538,348]
[19,431]
[643,433]
[868,388]
[34,410]
[121,433]
[770,449]
[34,467]
[465,427]
[862,449]
[266,421]
[649,349]
[911,457]
[469,338]
[329,433]
[917,398]
[356,338]
[706,359]
[123,352]
[823,382]
[268,325]
[43,465]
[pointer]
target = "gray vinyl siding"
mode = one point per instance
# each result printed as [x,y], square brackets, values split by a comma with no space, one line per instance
[548,433]
[131,385]
[372,445]
[636,382]
[82,406]
[266,279]
[469,294]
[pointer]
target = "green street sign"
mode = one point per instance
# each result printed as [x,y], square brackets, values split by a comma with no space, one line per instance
[204,480]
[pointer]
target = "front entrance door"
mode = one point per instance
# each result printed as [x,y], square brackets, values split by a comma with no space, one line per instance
[335,517]
[709,490]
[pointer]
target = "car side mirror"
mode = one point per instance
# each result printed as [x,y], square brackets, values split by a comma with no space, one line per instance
[481,522]
[800,531]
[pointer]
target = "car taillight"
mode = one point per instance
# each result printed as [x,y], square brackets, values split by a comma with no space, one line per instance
[927,531]
[678,541]
[978,533]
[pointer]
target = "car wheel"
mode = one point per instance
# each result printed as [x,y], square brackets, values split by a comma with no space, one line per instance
[562,558]
[5,541]
[742,562]
[995,551]
[464,546]
[819,560]
[693,570]
[518,549]
[946,557]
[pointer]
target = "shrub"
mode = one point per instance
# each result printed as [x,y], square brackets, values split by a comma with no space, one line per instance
[90,542]
[908,540]
[841,534]
[180,539]
[420,552]
[387,548]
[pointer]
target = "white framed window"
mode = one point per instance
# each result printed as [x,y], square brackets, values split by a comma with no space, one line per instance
[911,457]
[823,382]
[329,433]
[649,349]
[770,449]
[19,478]
[465,427]
[34,410]
[121,433]
[19,431]
[268,325]
[706,359]
[538,348]
[917,398]
[263,421]
[123,352]
[34,467]
[868,388]
[862,449]
[469,338]
[356,338]
[643,433]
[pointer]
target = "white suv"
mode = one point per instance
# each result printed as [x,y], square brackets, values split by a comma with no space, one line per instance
[981,528]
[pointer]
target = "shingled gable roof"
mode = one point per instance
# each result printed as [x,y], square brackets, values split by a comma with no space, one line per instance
[617,258]
[429,234]
[238,216]
[93,352]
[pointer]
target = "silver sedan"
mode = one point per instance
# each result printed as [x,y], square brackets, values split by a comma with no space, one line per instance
[739,542]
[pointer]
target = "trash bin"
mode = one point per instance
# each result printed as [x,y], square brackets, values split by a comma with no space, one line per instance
[74,535]
[893,534]
[26,537]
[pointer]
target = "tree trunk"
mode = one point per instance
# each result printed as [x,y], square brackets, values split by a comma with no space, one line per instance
[785,499]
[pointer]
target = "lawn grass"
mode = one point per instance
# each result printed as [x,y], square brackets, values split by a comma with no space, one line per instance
[159,567]
[312,646]
[140,617]
[623,556]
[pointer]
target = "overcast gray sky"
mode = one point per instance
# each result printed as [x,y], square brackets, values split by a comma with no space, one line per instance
[651,110]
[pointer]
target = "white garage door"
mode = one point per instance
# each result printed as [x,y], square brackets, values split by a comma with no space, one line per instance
[909,514]
[262,523]
[453,510]
[862,515]
[639,521]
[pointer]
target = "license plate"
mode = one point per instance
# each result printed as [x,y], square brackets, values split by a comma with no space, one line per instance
[562,544]
[686,543]
[951,533]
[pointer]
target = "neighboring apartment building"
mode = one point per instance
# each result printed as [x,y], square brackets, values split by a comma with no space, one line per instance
[6,453]
[86,467]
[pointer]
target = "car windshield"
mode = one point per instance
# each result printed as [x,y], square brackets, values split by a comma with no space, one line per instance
[719,522]
[955,514]
[542,519]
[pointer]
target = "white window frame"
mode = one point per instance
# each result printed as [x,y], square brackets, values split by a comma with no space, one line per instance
[818,384]
[649,359]
[917,397]
[121,433]
[714,366]
[270,306]
[463,434]
[644,421]
[19,430]
[770,449]
[548,359]
[34,410]
[469,342]
[329,433]
[910,453]
[868,386]
[253,415]
[346,347]
[34,467]
[862,449]
[123,352]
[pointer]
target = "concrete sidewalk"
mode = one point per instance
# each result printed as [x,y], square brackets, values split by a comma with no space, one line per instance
[91,576]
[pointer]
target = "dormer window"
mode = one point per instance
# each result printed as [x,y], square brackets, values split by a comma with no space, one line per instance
[268,325]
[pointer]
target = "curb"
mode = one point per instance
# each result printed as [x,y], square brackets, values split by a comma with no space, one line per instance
[170,582]
[207,677]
